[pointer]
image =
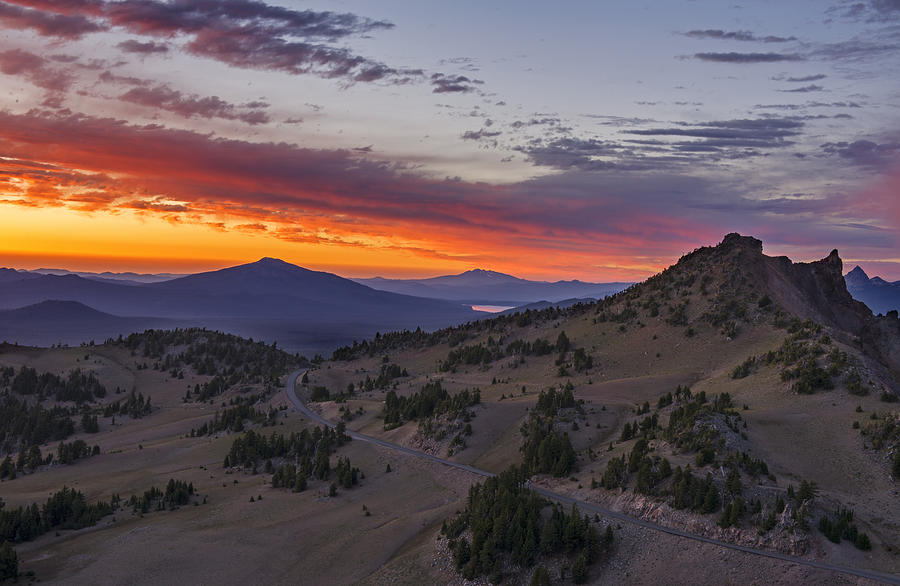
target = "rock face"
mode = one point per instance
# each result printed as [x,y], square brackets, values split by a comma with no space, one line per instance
[818,290]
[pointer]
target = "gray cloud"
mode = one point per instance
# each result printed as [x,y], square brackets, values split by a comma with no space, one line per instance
[802,79]
[759,132]
[736,36]
[150,47]
[453,83]
[865,153]
[189,106]
[746,58]
[807,105]
[479,134]
[64,26]
[804,90]
[858,50]
[881,11]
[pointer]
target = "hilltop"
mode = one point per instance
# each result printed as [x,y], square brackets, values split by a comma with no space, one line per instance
[786,364]
[479,286]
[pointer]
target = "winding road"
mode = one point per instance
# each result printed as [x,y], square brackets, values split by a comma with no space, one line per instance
[290,390]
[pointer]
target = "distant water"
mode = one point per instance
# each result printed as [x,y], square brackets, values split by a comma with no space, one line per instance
[492,308]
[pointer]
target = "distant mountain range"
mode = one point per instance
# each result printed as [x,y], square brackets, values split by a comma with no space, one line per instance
[269,299]
[126,277]
[480,287]
[306,311]
[881,296]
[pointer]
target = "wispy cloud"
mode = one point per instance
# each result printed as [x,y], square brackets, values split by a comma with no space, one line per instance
[164,97]
[866,153]
[804,89]
[736,36]
[63,26]
[148,48]
[747,58]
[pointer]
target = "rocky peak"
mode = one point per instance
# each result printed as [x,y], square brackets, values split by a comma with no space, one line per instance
[735,240]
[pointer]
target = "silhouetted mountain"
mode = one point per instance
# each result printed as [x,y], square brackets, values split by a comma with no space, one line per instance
[881,296]
[127,277]
[491,288]
[269,297]
[10,275]
[68,322]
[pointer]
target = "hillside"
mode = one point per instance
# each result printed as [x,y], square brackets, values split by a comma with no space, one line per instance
[732,364]
[479,286]
[734,396]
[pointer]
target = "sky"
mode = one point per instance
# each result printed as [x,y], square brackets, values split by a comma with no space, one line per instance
[574,139]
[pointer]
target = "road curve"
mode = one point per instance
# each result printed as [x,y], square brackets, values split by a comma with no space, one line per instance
[290,391]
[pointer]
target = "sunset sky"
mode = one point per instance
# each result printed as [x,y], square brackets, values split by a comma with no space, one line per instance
[574,139]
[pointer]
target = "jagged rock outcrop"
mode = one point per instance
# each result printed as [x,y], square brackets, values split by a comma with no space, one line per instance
[817,290]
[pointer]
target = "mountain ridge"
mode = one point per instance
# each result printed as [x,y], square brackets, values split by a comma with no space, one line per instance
[880,295]
[486,287]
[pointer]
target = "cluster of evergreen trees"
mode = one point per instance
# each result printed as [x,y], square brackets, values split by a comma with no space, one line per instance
[693,492]
[309,450]
[841,526]
[296,472]
[28,459]
[682,429]
[233,416]
[177,493]
[650,471]
[538,347]
[485,353]
[653,475]
[387,374]
[135,405]
[26,424]
[646,428]
[9,562]
[287,476]
[432,400]
[552,400]
[66,453]
[476,354]
[799,355]
[78,386]
[505,522]
[234,359]
[545,450]
[65,509]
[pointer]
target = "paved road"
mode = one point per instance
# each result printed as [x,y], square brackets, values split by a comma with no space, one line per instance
[290,390]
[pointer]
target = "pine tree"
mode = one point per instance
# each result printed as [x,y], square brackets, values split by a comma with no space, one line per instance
[579,569]
[9,562]
[541,577]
